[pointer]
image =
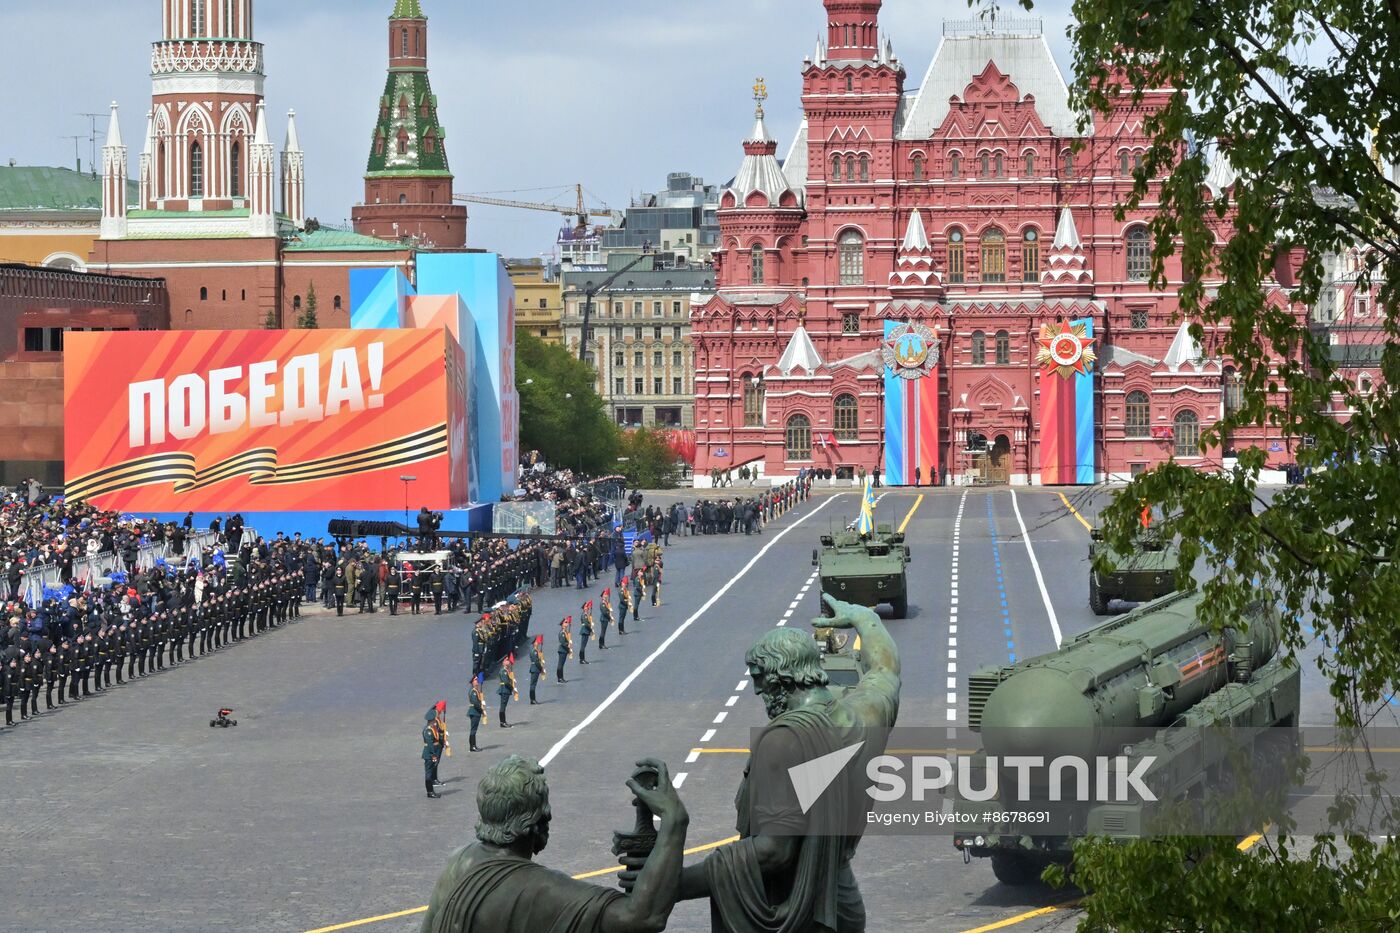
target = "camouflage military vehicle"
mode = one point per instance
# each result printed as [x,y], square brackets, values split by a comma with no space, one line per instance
[1146,573]
[865,571]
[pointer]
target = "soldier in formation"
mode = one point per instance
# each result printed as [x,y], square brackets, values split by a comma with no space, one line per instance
[565,649]
[537,667]
[506,688]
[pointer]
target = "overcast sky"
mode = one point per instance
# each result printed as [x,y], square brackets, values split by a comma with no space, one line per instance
[533,93]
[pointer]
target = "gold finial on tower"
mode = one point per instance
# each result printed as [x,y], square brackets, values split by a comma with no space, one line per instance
[760,94]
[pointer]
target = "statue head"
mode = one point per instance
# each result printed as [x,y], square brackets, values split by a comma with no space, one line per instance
[781,663]
[513,802]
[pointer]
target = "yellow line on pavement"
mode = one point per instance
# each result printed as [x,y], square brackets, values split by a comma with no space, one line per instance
[1075,512]
[912,509]
[588,874]
[1020,918]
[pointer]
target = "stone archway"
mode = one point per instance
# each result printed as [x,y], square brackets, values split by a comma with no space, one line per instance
[999,461]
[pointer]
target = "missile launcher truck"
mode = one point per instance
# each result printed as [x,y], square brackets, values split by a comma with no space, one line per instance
[1147,687]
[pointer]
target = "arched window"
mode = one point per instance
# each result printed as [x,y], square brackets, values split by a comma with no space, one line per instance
[1003,347]
[1067,163]
[979,348]
[379,142]
[850,168]
[197,19]
[799,438]
[851,249]
[336,304]
[753,402]
[836,168]
[998,166]
[956,262]
[756,265]
[845,420]
[986,165]
[203,294]
[430,142]
[993,256]
[1030,164]
[403,141]
[1123,162]
[865,168]
[403,199]
[954,166]
[1030,256]
[404,53]
[850,83]
[1364,384]
[403,106]
[918,168]
[1137,415]
[196,171]
[1186,434]
[1139,255]
[235,171]
[1233,386]
[296,302]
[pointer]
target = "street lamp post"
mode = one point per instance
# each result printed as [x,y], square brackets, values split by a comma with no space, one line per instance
[406,480]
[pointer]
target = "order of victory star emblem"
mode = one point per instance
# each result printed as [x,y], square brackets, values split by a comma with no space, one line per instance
[910,351]
[1066,349]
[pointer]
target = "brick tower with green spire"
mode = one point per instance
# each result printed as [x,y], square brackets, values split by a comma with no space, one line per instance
[408,185]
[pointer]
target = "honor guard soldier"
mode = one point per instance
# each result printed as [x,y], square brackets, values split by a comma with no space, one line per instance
[9,686]
[340,584]
[438,581]
[58,672]
[605,619]
[481,637]
[585,631]
[652,577]
[637,593]
[434,742]
[624,603]
[566,648]
[505,688]
[415,589]
[477,708]
[393,581]
[537,667]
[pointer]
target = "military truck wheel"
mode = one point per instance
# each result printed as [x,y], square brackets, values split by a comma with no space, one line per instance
[1097,601]
[900,607]
[1013,869]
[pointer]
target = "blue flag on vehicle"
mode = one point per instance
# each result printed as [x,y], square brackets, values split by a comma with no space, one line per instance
[866,524]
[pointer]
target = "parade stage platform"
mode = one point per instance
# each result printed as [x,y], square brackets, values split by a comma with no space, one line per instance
[313,524]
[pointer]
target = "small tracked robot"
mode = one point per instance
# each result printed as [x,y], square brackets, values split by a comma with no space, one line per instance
[223,721]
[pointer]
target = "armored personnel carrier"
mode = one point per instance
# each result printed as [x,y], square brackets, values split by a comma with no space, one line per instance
[865,571]
[1149,690]
[1146,573]
[840,657]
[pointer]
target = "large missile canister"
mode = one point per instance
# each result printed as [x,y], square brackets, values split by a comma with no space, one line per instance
[1138,672]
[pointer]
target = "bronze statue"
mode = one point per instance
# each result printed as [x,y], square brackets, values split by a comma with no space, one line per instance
[494,886]
[790,872]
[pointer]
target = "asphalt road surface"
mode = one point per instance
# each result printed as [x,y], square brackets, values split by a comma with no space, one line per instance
[130,812]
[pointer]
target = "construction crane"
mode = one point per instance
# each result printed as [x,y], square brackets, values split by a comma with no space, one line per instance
[578,210]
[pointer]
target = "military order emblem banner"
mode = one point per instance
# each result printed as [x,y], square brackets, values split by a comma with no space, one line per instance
[911,354]
[218,421]
[1066,358]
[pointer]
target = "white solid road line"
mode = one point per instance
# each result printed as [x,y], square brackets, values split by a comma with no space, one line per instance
[627,681]
[1039,580]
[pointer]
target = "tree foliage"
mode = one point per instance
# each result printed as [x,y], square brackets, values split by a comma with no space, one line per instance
[307,320]
[1299,98]
[561,413]
[651,460]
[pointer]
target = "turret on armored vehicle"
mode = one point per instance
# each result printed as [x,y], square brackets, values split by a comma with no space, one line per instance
[1145,573]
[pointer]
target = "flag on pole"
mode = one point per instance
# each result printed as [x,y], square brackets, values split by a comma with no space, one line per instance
[866,523]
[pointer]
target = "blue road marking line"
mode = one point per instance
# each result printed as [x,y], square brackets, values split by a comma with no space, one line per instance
[1001,584]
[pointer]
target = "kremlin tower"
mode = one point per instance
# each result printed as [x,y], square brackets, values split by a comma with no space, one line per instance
[408,185]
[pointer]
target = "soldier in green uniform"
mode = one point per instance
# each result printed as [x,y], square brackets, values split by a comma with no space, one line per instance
[605,619]
[434,741]
[565,648]
[537,668]
[624,603]
[505,688]
[585,631]
[477,710]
